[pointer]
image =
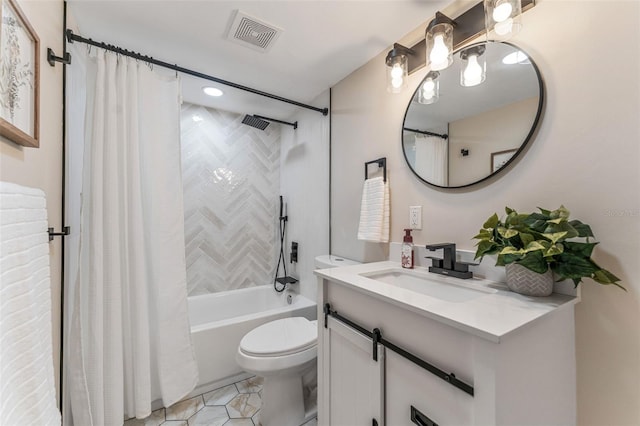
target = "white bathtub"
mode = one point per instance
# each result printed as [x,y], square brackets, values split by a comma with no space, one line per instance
[220,320]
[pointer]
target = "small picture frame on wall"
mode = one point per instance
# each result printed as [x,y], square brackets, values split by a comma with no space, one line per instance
[19,76]
[500,158]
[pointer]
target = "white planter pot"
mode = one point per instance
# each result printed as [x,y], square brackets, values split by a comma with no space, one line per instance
[525,281]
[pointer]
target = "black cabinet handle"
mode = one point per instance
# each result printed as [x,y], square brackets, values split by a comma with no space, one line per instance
[377,337]
[420,419]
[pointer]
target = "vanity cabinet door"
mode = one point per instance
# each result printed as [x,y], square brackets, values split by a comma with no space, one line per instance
[353,394]
[410,385]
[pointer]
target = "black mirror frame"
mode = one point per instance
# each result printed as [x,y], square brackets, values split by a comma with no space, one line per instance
[534,126]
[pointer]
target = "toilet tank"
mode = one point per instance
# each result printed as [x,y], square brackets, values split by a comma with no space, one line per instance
[326,261]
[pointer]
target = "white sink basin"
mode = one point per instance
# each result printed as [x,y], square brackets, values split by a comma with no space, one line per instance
[448,289]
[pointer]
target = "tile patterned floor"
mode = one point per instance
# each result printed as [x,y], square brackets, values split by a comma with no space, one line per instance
[237,404]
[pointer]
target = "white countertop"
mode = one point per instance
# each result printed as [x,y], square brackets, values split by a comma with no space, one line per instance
[491,316]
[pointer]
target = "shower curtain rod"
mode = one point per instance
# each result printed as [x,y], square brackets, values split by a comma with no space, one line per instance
[424,132]
[71,37]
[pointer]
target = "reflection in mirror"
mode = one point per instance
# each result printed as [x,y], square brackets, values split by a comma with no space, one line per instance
[455,136]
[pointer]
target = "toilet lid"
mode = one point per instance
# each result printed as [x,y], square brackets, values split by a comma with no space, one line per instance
[280,337]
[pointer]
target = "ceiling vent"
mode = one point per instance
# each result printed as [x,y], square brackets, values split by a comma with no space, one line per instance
[252,32]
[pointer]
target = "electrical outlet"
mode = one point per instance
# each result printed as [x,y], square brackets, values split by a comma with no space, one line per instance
[415,217]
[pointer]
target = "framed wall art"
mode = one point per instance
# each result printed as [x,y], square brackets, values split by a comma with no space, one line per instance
[500,158]
[19,76]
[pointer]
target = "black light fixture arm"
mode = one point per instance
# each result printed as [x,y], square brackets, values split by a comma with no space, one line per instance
[415,55]
[473,50]
[440,18]
[71,37]
[398,50]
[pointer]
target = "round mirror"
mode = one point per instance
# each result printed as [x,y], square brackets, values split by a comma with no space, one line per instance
[455,136]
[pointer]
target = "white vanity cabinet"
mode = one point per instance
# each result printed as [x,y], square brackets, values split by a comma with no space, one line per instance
[523,377]
[354,381]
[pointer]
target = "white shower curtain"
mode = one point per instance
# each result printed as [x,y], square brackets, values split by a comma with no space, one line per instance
[432,159]
[128,340]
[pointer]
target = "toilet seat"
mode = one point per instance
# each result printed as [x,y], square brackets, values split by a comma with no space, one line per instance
[287,336]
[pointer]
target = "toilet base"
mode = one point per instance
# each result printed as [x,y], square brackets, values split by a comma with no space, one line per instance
[282,401]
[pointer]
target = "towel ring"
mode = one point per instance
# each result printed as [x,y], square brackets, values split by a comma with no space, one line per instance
[381,162]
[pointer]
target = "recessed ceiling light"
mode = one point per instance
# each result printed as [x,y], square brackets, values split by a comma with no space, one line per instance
[212,91]
[517,57]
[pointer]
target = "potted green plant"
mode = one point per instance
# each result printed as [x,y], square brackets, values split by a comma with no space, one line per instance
[533,247]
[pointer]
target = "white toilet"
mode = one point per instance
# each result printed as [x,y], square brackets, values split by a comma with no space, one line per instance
[283,352]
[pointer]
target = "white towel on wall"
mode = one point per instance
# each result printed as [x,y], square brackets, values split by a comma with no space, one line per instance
[374,211]
[27,384]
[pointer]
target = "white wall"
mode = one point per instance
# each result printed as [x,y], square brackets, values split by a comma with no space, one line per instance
[304,182]
[586,156]
[42,167]
[481,136]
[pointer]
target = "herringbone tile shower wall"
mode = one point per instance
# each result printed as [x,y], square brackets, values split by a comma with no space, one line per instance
[231,179]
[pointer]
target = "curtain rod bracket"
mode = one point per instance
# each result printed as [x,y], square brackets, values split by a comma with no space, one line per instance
[52,58]
[66,230]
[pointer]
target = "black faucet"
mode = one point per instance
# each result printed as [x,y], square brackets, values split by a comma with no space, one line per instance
[448,265]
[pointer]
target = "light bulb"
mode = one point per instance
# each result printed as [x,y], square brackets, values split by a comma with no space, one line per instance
[428,94]
[502,11]
[440,52]
[429,89]
[472,75]
[429,85]
[397,71]
[503,28]
[504,18]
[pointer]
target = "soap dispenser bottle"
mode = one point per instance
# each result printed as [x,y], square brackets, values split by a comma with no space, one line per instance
[407,250]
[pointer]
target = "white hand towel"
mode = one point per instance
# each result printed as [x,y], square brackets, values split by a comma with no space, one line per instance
[374,211]
[27,386]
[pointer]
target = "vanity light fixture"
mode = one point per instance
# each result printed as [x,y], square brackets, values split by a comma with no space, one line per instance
[430,90]
[504,17]
[212,91]
[474,66]
[439,36]
[397,68]
[443,35]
